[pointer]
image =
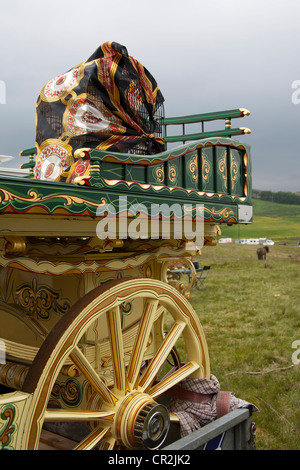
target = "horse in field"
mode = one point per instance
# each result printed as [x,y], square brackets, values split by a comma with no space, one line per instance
[262,252]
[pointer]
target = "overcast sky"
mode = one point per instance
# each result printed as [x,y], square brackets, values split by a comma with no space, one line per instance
[205,55]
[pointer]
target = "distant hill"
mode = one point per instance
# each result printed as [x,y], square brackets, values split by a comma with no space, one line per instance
[282,197]
[273,220]
[274,209]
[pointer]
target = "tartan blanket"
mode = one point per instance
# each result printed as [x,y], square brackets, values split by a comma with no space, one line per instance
[191,414]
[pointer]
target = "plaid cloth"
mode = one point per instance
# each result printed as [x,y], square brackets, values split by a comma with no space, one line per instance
[193,415]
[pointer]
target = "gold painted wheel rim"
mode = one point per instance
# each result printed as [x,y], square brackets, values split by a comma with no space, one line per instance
[135,389]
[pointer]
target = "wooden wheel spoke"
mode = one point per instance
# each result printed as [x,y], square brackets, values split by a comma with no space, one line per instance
[159,311]
[141,340]
[93,438]
[107,443]
[54,415]
[173,379]
[117,349]
[161,355]
[119,364]
[89,372]
[174,418]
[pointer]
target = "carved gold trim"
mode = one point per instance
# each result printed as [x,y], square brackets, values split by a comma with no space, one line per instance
[40,300]
[15,245]
[245,130]
[226,212]
[244,111]
[34,197]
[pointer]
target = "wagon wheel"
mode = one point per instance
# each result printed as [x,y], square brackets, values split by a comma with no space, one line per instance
[127,412]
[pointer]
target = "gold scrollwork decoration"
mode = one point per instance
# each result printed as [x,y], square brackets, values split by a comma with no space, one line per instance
[70,392]
[233,172]
[7,415]
[225,213]
[39,301]
[205,168]
[193,167]
[35,198]
[172,173]
[160,174]
[223,169]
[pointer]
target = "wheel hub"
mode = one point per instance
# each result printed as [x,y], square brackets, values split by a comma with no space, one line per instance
[152,425]
[140,421]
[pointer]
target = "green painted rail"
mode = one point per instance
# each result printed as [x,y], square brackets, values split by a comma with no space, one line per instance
[183,121]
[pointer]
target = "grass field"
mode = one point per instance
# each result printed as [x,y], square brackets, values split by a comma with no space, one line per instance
[250,312]
[279,222]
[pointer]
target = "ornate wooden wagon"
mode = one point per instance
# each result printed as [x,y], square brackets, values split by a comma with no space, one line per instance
[89,323]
